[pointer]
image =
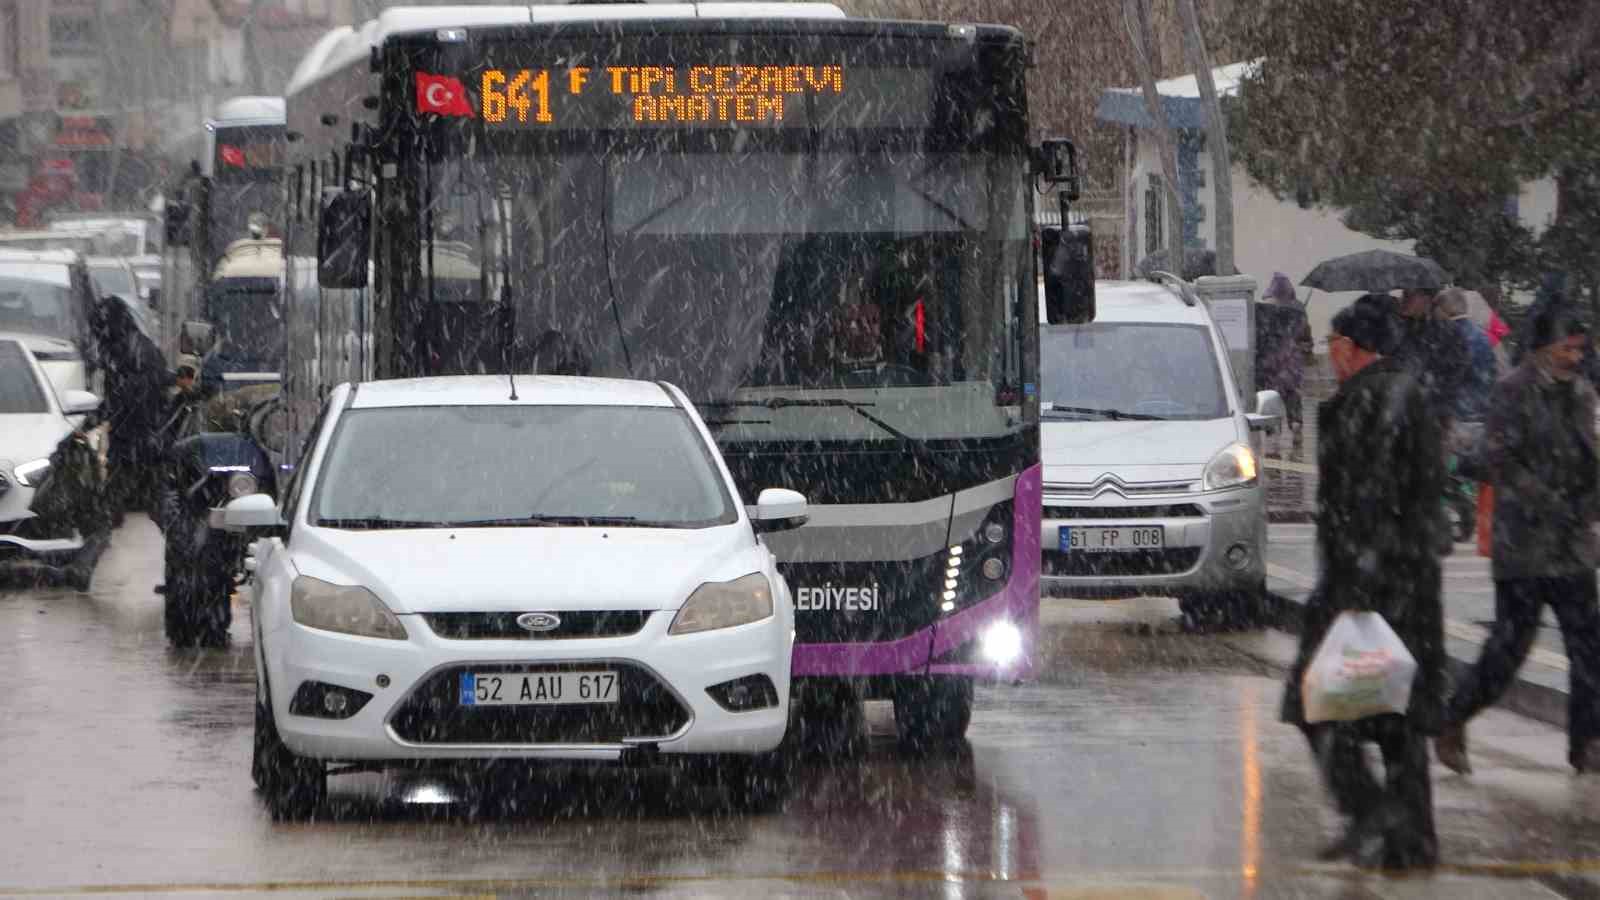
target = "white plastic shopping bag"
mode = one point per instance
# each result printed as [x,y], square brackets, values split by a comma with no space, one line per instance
[1361,669]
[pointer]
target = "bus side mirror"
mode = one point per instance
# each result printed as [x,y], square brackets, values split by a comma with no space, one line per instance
[1056,161]
[195,338]
[1068,275]
[153,299]
[344,233]
[175,223]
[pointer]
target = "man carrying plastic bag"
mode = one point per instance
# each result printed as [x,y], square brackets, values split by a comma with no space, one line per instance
[1380,533]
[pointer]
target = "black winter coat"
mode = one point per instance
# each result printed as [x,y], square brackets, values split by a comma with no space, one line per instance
[1440,358]
[1380,527]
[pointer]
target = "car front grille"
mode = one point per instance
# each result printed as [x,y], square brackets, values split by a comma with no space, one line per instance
[498,626]
[645,709]
[1121,565]
[1169,511]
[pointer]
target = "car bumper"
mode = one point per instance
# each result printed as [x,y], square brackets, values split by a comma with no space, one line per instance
[1201,531]
[683,665]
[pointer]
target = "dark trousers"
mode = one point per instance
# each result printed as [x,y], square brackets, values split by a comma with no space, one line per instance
[1517,607]
[1400,807]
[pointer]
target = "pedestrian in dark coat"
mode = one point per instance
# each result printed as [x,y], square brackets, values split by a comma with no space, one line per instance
[1434,352]
[1540,451]
[136,381]
[1380,533]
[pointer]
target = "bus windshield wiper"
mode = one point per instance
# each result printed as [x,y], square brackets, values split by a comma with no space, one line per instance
[1112,414]
[859,407]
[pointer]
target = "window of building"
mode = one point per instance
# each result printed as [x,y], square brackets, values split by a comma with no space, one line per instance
[9,63]
[1153,218]
[73,36]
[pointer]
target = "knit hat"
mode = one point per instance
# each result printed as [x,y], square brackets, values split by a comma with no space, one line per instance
[1552,324]
[1369,322]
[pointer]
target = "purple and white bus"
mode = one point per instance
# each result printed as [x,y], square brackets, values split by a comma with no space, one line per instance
[819,227]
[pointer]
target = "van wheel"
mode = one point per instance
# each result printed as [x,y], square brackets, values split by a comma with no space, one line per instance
[1224,610]
[932,710]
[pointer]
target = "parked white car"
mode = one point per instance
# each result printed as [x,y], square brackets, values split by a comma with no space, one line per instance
[32,423]
[46,302]
[559,569]
[1151,485]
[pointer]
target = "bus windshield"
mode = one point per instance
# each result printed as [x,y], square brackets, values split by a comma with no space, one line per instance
[788,279]
[244,187]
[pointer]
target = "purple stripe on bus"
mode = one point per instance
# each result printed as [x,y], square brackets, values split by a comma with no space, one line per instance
[1019,603]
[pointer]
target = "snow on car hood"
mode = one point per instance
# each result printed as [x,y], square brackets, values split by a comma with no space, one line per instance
[525,569]
[1080,452]
[25,437]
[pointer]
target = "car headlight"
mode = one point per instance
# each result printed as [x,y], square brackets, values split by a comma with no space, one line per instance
[725,604]
[347,609]
[32,474]
[1233,466]
[241,484]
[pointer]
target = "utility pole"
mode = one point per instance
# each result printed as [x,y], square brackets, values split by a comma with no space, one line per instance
[1136,16]
[1194,45]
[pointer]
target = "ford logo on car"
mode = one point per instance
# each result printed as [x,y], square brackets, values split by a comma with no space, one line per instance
[539,622]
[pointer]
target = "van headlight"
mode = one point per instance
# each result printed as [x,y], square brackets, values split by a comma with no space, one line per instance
[347,609]
[32,474]
[724,604]
[1233,466]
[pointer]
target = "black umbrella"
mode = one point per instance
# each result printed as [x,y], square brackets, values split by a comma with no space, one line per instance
[1377,271]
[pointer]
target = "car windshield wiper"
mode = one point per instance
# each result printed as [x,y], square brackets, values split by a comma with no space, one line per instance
[592,521]
[1113,414]
[376,522]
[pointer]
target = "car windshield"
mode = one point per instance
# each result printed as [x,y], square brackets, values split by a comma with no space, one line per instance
[36,307]
[444,466]
[20,391]
[110,278]
[1145,370]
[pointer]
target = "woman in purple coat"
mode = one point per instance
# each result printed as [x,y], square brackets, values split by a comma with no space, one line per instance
[1283,339]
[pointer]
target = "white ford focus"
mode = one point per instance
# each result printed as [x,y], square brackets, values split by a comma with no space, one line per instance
[563,570]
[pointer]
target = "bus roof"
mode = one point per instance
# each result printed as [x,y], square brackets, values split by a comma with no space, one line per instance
[250,258]
[342,46]
[249,111]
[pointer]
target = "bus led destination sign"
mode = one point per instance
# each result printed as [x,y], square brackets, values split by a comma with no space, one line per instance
[603,97]
[654,95]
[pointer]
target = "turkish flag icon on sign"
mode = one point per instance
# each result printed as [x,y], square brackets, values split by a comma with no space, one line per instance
[231,155]
[442,95]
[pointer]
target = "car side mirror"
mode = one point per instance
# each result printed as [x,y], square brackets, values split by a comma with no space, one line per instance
[74,403]
[1068,274]
[1269,412]
[195,338]
[251,511]
[344,234]
[778,509]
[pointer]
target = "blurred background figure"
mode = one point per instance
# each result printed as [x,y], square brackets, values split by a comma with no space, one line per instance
[1283,342]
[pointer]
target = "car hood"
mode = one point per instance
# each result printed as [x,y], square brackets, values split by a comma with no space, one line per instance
[527,569]
[25,437]
[1080,452]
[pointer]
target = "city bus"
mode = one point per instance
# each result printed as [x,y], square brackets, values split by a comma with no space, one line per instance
[232,192]
[819,227]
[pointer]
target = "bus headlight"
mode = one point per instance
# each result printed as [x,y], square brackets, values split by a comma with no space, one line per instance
[241,484]
[725,604]
[1002,643]
[1233,466]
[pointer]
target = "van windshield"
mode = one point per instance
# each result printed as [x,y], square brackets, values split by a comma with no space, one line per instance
[1133,369]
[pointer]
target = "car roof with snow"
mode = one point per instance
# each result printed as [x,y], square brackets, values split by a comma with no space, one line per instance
[38,265]
[495,390]
[1141,301]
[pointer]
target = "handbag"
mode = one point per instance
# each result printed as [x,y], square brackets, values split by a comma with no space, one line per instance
[1361,669]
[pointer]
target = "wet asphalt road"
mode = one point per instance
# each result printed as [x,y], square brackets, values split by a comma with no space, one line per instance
[1148,763]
